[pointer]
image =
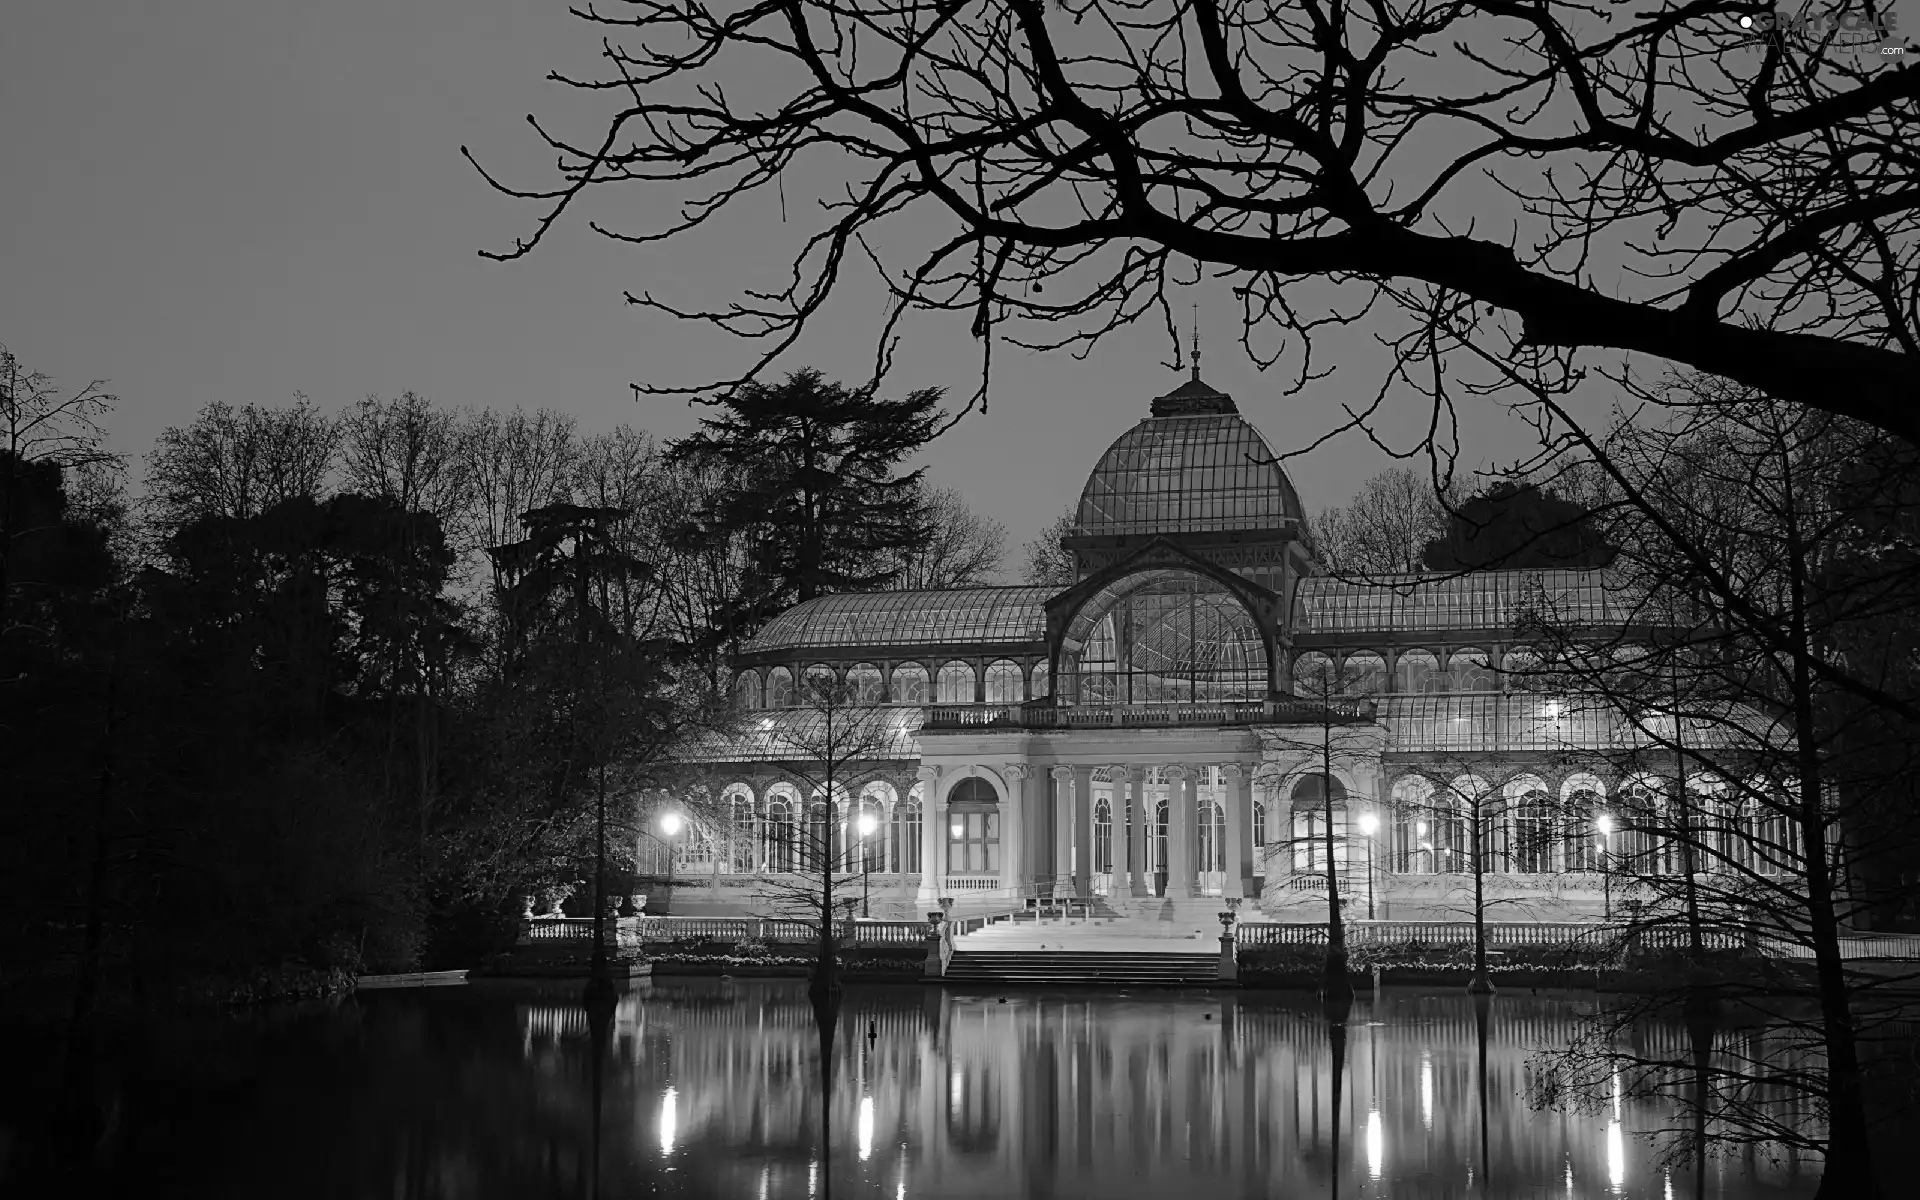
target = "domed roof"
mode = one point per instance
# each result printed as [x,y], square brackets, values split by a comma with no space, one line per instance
[1194,466]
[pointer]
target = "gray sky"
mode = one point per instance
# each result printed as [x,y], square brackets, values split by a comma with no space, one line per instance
[240,199]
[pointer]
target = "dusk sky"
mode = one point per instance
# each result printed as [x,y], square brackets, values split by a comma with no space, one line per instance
[238,200]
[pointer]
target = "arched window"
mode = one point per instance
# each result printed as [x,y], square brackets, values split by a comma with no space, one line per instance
[779,688]
[1521,670]
[1003,683]
[870,849]
[1417,671]
[1038,686]
[909,684]
[742,830]
[1772,837]
[1165,636]
[1415,849]
[1582,842]
[1310,795]
[1212,825]
[906,836]
[1259,824]
[973,828]
[1467,671]
[956,684]
[1159,856]
[1636,846]
[1102,836]
[1533,832]
[1364,673]
[746,690]
[864,685]
[823,686]
[816,848]
[780,851]
[1314,676]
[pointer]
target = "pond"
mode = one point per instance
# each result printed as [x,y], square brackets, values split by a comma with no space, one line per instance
[702,1088]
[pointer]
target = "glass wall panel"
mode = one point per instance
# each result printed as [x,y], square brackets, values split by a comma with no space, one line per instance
[1467,671]
[1038,688]
[1177,639]
[1418,671]
[864,683]
[746,690]
[1364,673]
[779,688]
[1004,683]
[956,683]
[909,684]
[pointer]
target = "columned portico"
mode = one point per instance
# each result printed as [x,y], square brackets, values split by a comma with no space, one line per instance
[1015,871]
[1061,817]
[933,836]
[1239,781]
[1181,822]
[1083,831]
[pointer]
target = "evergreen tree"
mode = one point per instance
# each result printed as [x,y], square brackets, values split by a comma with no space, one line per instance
[812,470]
[1515,525]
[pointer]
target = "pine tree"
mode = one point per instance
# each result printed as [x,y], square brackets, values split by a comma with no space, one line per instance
[813,479]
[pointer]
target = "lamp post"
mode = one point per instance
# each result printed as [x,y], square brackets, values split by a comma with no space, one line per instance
[867,824]
[670,825]
[1604,823]
[1369,825]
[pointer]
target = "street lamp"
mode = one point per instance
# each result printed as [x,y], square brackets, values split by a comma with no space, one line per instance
[1604,823]
[867,824]
[1369,825]
[670,825]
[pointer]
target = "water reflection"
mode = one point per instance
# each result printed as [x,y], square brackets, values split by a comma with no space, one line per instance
[712,1089]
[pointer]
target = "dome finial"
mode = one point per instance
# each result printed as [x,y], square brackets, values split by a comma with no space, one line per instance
[1196,340]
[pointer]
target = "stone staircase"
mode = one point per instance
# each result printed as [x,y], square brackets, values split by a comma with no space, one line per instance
[1134,968]
[1151,942]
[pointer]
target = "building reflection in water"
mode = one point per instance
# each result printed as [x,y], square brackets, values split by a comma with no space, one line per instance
[710,1089]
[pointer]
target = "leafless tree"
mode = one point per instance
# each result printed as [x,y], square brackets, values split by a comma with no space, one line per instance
[1666,183]
[1385,530]
[40,424]
[238,463]
[406,449]
[1767,579]
[1048,563]
[964,551]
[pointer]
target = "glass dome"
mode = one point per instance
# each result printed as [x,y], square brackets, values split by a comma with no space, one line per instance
[1195,466]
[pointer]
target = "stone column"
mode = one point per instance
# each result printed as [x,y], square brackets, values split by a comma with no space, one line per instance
[1180,831]
[1014,817]
[1239,781]
[1063,828]
[933,836]
[1137,831]
[1083,831]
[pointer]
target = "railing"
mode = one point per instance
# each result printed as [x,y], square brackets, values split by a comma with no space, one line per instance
[1501,934]
[1144,716]
[736,929]
[970,883]
[560,929]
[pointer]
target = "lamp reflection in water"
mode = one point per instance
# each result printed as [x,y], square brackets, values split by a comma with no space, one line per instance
[866,1128]
[1376,1144]
[1426,1088]
[668,1121]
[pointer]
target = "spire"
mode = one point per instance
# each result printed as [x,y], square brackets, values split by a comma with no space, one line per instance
[1196,341]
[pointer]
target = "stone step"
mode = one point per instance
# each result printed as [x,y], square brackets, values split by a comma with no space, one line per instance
[1105,967]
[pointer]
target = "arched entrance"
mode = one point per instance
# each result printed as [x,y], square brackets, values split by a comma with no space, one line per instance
[1161,636]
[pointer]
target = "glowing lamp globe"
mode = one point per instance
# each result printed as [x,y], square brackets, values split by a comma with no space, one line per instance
[670,823]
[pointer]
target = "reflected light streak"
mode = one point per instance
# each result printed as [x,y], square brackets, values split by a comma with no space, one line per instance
[1669,1175]
[1376,1144]
[667,1121]
[866,1128]
[1426,1089]
[1616,1157]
